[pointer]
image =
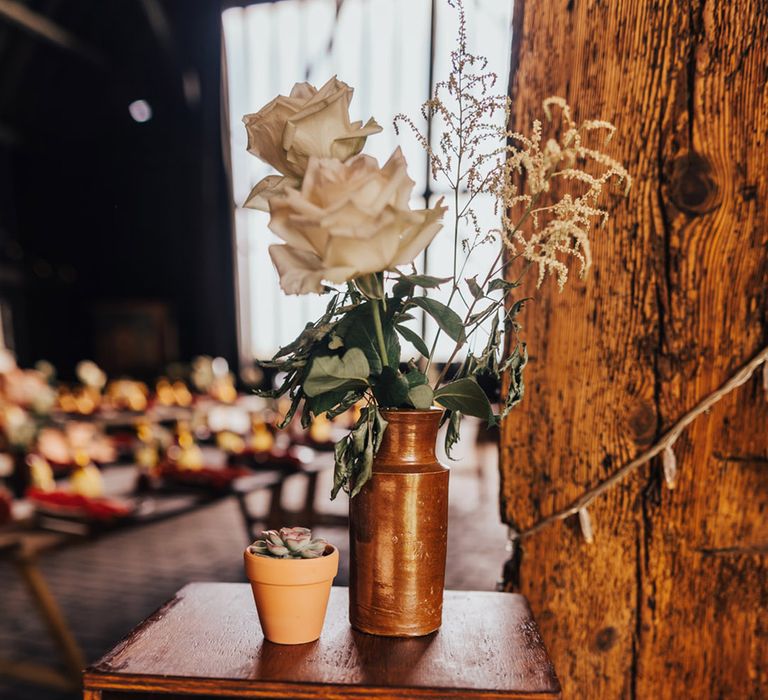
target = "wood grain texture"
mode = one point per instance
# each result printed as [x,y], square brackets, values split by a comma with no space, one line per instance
[671,599]
[208,639]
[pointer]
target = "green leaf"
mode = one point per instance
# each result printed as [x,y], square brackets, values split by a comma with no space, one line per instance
[346,403]
[354,453]
[446,318]
[515,363]
[326,401]
[488,360]
[465,395]
[500,283]
[421,396]
[415,378]
[333,372]
[474,287]
[391,388]
[379,426]
[404,286]
[414,338]
[295,400]
[358,331]
[342,465]
[485,313]
[452,432]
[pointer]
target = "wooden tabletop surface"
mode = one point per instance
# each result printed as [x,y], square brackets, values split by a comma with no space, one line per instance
[208,639]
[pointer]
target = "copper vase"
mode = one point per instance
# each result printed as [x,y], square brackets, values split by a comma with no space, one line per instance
[399,532]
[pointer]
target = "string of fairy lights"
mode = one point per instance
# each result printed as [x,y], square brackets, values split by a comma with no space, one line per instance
[664,447]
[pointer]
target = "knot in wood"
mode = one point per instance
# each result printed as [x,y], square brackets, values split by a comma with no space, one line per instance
[693,188]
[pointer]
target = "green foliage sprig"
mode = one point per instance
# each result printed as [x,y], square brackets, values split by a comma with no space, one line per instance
[352,354]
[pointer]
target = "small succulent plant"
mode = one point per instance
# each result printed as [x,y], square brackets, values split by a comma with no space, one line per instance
[289,543]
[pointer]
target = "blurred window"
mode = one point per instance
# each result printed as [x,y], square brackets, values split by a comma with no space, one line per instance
[383,49]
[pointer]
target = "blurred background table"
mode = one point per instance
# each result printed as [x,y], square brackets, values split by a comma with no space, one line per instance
[207,641]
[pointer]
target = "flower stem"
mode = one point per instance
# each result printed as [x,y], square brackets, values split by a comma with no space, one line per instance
[376,303]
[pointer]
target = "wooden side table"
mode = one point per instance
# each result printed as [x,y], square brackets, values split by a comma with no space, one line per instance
[207,642]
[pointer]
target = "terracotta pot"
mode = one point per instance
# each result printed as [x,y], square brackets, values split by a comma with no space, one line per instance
[291,595]
[399,532]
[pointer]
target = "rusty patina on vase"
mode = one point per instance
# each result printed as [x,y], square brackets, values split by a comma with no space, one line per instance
[399,531]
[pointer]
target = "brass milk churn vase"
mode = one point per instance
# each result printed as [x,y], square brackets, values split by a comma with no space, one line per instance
[399,532]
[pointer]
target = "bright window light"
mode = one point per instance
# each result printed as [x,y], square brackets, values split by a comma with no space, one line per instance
[382,49]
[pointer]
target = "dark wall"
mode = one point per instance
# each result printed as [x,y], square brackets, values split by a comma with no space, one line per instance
[100,215]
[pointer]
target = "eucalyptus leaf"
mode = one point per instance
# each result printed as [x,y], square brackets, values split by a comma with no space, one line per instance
[405,284]
[358,331]
[345,404]
[485,313]
[326,401]
[364,466]
[474,287]
[515,364]
[426,281]
[488,360]
[414,377]
[445,317]
[379,426]
[414,338]
[500,283]
[355,452]
[467,396]
[342,466]
[295,400]
[452,432]
[333,372]
[391,388]
[421,396]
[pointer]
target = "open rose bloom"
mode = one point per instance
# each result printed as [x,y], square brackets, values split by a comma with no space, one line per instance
[341,215]
[289,131]
[348,220]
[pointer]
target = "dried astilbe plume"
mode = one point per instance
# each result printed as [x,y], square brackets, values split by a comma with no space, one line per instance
[545,193]
[476,153]
[543,231]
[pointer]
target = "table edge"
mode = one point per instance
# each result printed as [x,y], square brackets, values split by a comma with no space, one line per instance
[299,690]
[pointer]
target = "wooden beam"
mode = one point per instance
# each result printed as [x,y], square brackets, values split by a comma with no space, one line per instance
[42,27]
[669,600]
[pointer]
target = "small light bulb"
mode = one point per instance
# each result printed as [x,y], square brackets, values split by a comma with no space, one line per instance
[140,111]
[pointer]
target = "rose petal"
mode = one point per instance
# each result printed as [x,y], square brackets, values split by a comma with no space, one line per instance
[419,237]
[322,128]
[265,134]
[302,273]
[364,255]
[265,189]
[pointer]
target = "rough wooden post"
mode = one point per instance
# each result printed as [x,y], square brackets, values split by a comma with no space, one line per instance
[669,601]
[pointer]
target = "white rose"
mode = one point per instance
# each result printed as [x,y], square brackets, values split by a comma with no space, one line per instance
[288,131]
[349,219]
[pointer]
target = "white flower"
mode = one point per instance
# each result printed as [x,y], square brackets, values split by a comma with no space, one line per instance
[348,220]
[29,389]
[90,374]
[288,131]
[7,361]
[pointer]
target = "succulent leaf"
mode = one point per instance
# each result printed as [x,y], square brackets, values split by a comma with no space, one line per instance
[289,543]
